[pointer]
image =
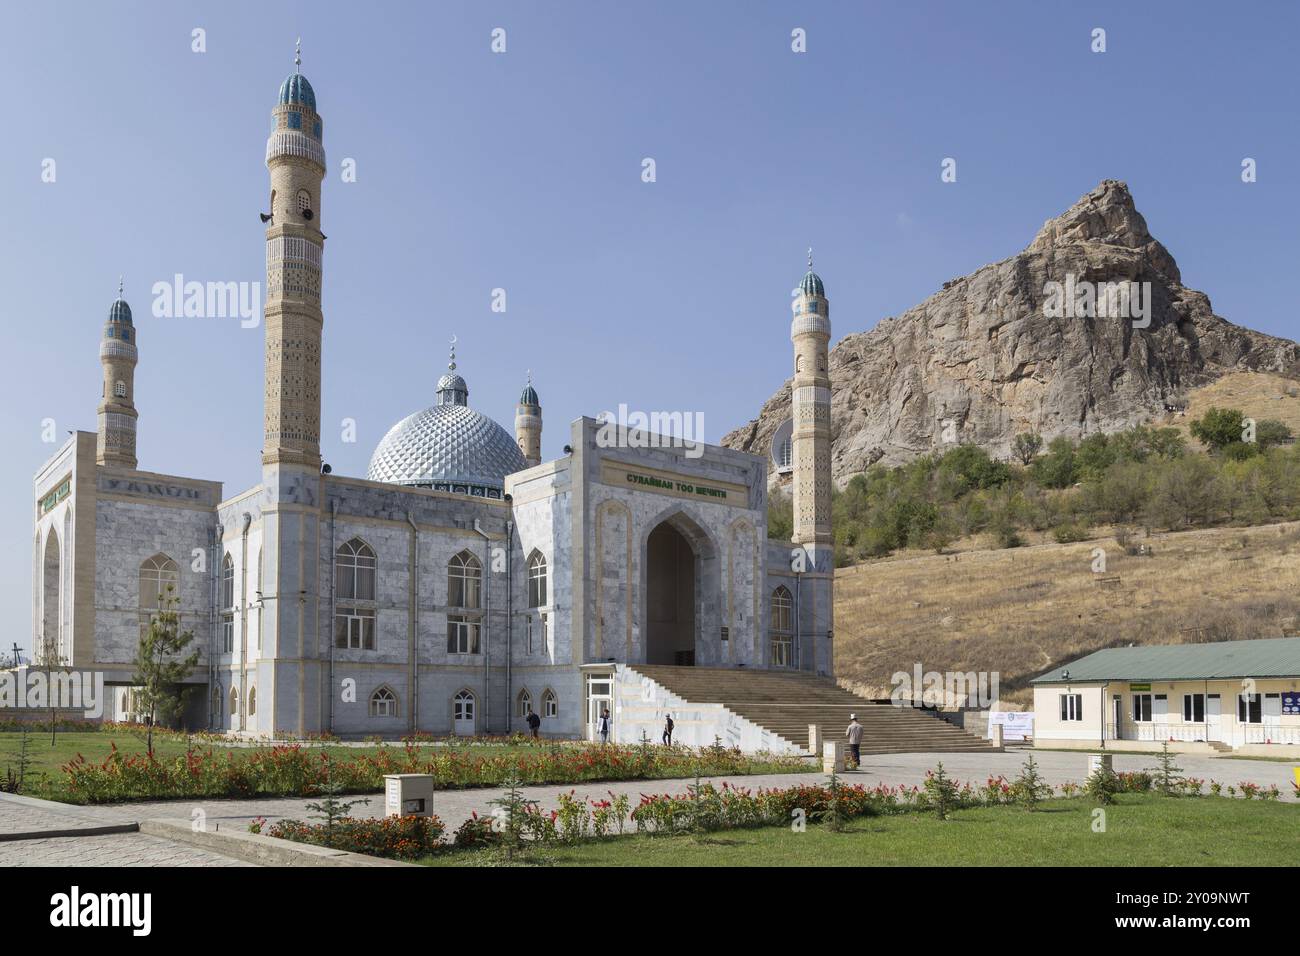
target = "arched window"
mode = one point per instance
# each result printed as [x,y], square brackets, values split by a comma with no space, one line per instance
[536,580]
[550,704]
[252,701]
[227,604]
[464,581]
[354,580]
[158,586]
[355,571]
[119,389]
[383,703]
[780,626]
[523,703]
[234,702]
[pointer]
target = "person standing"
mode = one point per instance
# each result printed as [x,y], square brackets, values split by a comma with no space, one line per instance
[602,725]
[534,722]
[668,730]
[854,733]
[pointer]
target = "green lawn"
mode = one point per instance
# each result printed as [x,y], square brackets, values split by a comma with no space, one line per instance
[1141,830]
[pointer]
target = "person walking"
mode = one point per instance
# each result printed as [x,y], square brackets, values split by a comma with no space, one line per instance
[602,725]
[668,730]
[534,722]
[854,733]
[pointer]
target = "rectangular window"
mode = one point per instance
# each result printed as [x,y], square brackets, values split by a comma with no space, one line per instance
[528,634]
[227,632]
[462,635]
[354,628]
[1194,708]
[546,635]
[1142,708]
[1072,707]
[1250,709]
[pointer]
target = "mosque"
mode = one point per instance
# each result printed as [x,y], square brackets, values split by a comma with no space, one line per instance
[463,582]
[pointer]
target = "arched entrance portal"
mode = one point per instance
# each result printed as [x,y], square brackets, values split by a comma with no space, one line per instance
[50,650]
[680,563]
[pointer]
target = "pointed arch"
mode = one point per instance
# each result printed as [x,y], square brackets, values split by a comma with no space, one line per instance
[550,704]
[234,704]
[523,702]
[252,701]
[537,579]
[465,581]
[464,712]
[227,604]
[383,702]
[50,649]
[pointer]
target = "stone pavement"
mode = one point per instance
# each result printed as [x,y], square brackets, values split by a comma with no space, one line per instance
[455,806]
[121,849]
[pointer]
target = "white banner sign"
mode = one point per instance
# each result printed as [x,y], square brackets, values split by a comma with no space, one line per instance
[1016,724]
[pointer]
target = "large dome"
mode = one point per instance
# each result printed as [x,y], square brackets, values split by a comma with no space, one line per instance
[448,447]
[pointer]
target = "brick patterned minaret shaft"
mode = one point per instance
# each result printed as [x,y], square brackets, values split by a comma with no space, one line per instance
[528,424]
[295,157]
[810,331]
[115,444]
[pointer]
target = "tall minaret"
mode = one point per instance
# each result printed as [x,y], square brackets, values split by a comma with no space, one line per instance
[810,331]
[294,244]
[117,415]
[528,424]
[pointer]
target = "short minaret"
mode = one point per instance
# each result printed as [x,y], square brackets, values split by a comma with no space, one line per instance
[295,157]
[528,424]
[810,331]
[117,415]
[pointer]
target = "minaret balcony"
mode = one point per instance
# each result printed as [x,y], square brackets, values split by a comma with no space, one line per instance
[294,144]
[112,348]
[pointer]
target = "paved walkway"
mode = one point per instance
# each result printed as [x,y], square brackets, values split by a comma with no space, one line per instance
[19,814]
[455,806]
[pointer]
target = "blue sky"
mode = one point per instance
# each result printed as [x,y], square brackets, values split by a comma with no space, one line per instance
[522,171]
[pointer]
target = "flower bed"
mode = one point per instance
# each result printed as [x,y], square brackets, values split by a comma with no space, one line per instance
[397,838]
[302,771]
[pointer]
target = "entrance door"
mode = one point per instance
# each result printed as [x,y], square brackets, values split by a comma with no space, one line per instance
[1213,710]
[462,714]
[600,699]
[670,597]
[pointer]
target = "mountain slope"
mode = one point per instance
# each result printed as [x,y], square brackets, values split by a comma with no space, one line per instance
[982,361]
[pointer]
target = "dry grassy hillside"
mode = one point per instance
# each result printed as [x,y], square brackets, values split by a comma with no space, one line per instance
[1020,611]
[1257,395]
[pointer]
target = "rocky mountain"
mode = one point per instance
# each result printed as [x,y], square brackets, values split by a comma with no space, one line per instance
[1089,329]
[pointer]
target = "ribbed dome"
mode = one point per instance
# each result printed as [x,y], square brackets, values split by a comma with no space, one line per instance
[447,444]
[811,284]
[119,311]
[529,396]
[296,89]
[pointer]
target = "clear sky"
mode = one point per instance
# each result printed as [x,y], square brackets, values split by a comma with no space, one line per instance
[523,171]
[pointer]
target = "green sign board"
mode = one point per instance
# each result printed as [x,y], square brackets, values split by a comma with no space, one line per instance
[1139,686]
[49,502]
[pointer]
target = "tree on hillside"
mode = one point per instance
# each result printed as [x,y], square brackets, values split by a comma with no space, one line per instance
[1218,428]
[1186,492]
[1057,468]
[780,517]
[159,668]
[1270,432]
[1026,447]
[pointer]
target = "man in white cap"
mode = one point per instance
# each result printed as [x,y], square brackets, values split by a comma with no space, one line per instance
[854,733]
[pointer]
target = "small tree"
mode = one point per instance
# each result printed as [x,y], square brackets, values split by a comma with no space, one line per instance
[512,815]
[1027,446]
[1102,785]
[331,809]
[1169,776]
[1029,788]
[1218,427]
[940,791]
[159,668]
[51,658]
[14,782]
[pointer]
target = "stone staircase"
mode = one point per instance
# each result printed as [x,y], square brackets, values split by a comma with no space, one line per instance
[786,702]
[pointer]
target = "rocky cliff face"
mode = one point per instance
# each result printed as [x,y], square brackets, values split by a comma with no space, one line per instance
[1003,350]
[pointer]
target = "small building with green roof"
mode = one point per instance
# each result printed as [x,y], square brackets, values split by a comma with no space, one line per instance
[1233,696]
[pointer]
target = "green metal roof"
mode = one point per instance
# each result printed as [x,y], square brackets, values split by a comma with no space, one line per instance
[1278,657]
